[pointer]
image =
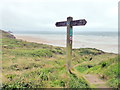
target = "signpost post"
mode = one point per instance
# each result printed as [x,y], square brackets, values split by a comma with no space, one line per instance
[70,23]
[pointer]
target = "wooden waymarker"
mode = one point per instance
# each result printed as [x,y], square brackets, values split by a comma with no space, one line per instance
[70,23]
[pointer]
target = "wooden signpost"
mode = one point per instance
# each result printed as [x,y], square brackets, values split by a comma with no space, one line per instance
[70,23]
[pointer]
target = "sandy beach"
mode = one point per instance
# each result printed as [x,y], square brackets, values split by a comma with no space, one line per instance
[107,44]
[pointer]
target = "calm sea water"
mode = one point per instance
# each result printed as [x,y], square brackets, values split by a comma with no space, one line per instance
[92,33]
[106,41]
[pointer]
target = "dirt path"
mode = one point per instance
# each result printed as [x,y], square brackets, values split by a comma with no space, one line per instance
[95,80]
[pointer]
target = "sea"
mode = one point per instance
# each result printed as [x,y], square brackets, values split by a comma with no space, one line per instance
[103,40]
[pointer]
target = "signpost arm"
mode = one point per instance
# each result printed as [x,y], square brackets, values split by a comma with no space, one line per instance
[69,44]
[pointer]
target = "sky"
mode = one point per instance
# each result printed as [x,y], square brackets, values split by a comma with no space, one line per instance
[38,15]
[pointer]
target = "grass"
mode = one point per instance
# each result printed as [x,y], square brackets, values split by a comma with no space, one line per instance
[107,69]
[33,65]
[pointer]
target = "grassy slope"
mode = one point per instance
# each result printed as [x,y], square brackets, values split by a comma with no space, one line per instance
[27,64]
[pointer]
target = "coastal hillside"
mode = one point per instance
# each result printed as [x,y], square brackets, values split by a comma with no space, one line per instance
[32,65]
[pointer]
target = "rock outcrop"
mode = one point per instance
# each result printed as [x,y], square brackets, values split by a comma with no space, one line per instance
[5,34]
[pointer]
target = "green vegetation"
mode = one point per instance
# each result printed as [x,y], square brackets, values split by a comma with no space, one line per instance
[105,66]
[33,65]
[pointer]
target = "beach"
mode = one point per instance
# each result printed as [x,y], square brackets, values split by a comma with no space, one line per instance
[107,44]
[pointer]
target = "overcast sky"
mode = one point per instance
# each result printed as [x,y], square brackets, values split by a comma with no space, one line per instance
[16,15]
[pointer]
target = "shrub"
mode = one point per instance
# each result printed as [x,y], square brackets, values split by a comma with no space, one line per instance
[77,83]
[82,68]
[11,76]
[57,51]
[33,53]
[42,52]
[104,64]
[89,51]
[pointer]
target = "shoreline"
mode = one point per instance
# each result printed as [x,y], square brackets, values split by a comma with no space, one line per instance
[110,48]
